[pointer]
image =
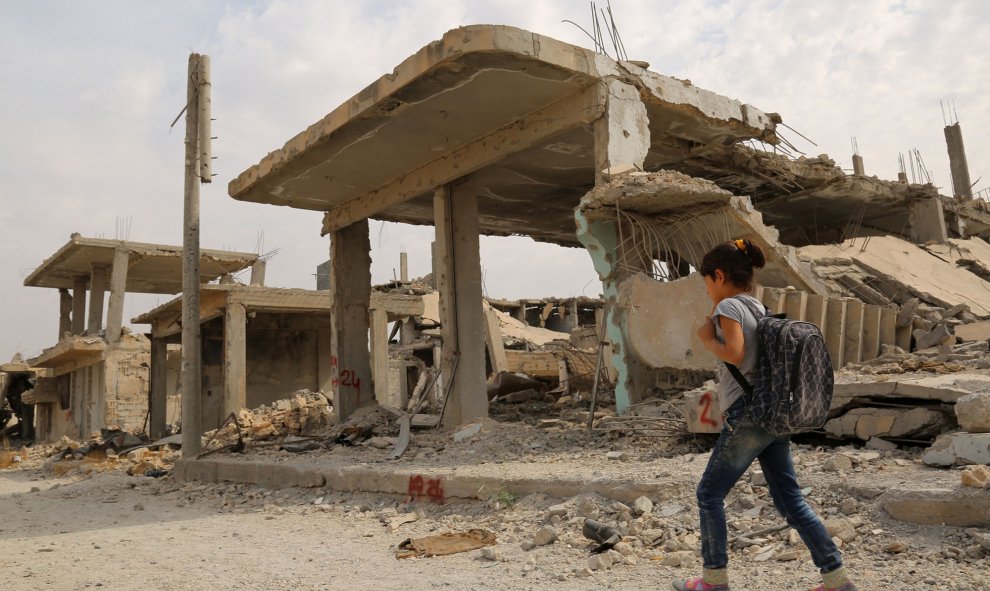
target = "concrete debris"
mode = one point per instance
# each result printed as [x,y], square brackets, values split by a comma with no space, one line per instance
[959,448]
[904,423]
[955,508]
[973,412]
[305,413]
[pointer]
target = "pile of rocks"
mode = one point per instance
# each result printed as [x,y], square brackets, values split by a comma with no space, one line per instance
[304,413]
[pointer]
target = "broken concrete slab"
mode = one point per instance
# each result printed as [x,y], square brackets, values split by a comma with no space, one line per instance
[912,269]
[959,448]
[943,388]
[661,321]
[955,508]
[700,409]
[976,331]
[973,413]
[865,423]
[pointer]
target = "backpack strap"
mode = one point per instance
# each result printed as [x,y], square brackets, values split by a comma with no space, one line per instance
[757,314]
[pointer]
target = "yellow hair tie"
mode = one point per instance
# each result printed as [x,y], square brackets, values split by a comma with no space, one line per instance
[740,244]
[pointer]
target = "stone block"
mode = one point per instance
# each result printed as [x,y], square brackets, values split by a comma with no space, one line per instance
[701,411]
[975,476]
[973,413]
[963,507]
[959,448]
[977,331]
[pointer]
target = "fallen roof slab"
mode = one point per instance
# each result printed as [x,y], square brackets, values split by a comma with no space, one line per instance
[930,273]
[688,216]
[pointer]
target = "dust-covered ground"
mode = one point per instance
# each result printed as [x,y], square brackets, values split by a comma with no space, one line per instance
[70,524]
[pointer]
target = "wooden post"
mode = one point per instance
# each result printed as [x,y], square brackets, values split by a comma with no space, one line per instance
[234,358]
[64,313]
[192,414]
[79,304]
[118,287]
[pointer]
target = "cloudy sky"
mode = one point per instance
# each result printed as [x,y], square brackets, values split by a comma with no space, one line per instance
[88,89]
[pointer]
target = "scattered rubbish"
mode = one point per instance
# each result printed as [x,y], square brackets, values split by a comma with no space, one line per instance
[606,537]
[446,543]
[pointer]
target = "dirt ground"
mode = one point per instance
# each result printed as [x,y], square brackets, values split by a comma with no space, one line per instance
[107,529]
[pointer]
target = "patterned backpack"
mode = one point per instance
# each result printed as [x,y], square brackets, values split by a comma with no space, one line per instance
[793,379]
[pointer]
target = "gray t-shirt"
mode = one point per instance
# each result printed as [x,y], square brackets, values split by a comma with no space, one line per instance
[729,389]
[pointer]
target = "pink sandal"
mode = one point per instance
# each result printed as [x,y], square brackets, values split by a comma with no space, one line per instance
[698,584]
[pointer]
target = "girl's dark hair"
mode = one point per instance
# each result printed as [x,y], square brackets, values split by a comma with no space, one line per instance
[737,259]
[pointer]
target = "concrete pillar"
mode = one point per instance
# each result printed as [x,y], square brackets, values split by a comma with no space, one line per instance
[927,221]
[323,276]
[853,341]
[258,272]
[815,311]
[404,267]
[458,273]
[324,367]
[961,185]
[902,337]
[622,134]
[902,177]
[97,289]
[888,325]
[64,313]
[775,299]
[79,304]
[871,332]
[379,355]
[118,287]
[234,359]
[858,167]
[796,305]
[520,313]
[350,290]
[158,394]
[835,334]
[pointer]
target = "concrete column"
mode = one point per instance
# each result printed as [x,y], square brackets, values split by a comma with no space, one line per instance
[158,395]
[258,272]
[234,358]
[379,355]
[350,292]
[796,305]
[871,333]
[858,167]
[927,221]
[815,311]
[888,325]
[622,138]
[520,313]
[97,289]
[458,265]
[64,313]
[853,341]
[961,185]
[902,177]
[118,287]
[324,366]
[403,267]
[79,305]
[835,334]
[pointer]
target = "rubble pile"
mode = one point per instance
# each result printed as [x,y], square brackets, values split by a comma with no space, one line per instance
[304,413]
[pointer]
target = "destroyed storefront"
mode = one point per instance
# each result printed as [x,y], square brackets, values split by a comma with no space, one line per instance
[99,372]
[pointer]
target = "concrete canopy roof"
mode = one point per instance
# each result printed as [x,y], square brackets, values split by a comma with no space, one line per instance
[508,107]
[152,268]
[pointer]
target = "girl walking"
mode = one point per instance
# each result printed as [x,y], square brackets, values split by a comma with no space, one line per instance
[730,334]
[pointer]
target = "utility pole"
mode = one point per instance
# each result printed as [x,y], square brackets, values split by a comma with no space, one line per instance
[198,170]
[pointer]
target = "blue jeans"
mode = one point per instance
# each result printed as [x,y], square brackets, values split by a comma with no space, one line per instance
[740,442]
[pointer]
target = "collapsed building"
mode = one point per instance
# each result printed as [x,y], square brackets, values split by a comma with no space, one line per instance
[498,131]
[97,374]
